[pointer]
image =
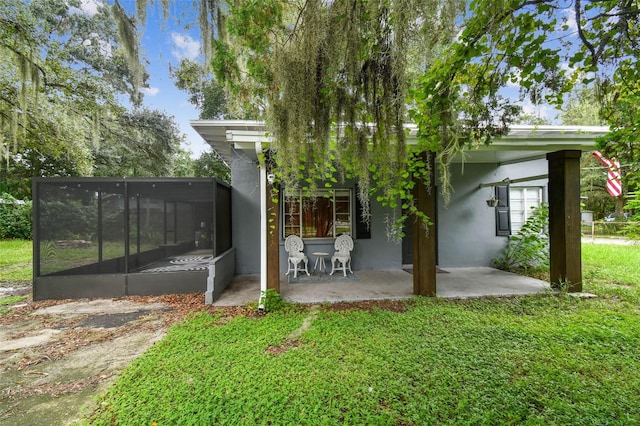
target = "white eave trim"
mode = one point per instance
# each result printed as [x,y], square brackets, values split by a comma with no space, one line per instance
[225,135]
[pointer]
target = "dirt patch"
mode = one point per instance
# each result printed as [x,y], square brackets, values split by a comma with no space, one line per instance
[112,320]
[370,305]
[55,356]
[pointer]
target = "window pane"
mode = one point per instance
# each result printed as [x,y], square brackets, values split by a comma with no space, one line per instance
[522,200]
[343,212]
[317,217]
[291,215]
[326,214]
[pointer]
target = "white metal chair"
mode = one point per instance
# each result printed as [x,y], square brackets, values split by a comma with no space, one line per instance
[343,246]
[294,246]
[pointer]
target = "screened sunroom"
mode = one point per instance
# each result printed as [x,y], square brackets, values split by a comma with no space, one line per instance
[111,237]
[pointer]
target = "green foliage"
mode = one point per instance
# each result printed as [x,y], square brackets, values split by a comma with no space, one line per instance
[529,248]
[593,180]
[458,100]
[532,119]
[582,108]
[15,218]
[6,302]
[271,300]
[314,64]
[31,162]
[64,78]
[209,164]
[142,142]
[632,230]
[204,92]
[182,163]
[80,218]
[57,76]
[622,112]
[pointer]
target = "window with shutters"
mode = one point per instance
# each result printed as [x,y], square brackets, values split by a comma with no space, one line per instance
[325,214]
[522,201]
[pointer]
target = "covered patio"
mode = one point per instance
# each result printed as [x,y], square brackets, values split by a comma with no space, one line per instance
[465,234]
[385,285]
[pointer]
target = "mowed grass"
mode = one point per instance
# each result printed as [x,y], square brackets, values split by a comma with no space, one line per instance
[612,271]
[16,261]
[538,360]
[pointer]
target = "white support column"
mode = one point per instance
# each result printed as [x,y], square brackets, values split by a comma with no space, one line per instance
[263,226]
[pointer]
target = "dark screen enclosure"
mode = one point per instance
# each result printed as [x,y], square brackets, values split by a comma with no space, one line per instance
[111,237]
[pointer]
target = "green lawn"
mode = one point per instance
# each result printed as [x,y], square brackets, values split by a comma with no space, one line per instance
[16,261]
[16,256]
[529,360]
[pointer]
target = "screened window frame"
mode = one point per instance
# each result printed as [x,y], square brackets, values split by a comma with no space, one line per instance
[299,195]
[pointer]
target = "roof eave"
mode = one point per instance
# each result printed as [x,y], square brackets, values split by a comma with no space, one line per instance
[224,136]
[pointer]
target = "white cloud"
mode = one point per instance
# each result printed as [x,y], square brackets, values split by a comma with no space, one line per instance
[542,110]
[151,91]
[104,47]
[185,47]
[570,19]
[87,7]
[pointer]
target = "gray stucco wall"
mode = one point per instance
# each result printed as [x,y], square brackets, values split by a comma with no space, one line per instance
[378,253]
[245,210]
[467,227]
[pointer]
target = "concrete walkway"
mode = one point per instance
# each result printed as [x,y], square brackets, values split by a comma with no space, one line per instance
[609,240]
[380,285]
[55,360]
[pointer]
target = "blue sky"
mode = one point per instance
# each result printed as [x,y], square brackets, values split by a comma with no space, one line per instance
[164,43]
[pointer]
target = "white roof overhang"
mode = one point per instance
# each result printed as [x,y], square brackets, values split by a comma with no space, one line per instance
[225,136]
[522,143]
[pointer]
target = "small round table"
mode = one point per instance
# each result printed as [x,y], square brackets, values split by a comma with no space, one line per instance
[320,255]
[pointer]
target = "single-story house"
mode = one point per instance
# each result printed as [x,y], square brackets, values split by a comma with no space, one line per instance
[112,237]
[530,165]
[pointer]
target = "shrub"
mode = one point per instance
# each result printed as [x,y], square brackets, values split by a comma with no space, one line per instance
[271,300]
[529,248]
[15,218]
[632,230]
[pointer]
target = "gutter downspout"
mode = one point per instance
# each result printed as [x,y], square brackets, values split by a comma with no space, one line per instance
[263,227]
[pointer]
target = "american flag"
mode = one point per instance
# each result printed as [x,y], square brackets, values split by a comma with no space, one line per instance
[614,182]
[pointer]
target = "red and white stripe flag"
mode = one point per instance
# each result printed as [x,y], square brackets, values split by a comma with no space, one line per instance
[614,182]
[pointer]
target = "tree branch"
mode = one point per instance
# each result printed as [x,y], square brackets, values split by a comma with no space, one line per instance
[578,12]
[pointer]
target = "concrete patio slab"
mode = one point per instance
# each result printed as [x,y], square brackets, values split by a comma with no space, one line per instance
[381,285]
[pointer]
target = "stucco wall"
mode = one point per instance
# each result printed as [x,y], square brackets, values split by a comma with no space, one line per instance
[467,227]
[378,253]
[245,211]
